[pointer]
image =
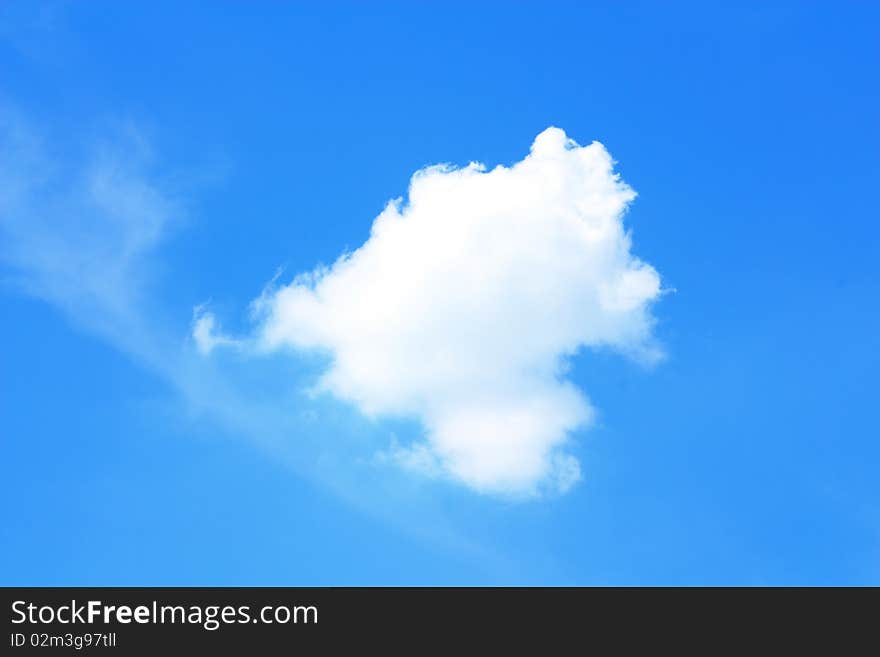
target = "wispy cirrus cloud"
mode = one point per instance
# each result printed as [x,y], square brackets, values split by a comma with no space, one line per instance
[80,224]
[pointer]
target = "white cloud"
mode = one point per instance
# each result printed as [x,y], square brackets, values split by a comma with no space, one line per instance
[465,303]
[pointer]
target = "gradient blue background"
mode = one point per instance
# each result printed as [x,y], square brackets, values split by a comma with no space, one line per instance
[750,131]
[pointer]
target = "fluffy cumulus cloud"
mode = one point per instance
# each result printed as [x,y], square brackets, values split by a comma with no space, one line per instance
[464,305]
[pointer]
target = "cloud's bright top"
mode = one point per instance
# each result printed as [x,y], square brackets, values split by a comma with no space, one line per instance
[461,309]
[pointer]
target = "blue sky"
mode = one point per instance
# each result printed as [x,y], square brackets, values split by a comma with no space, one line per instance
[241,140]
